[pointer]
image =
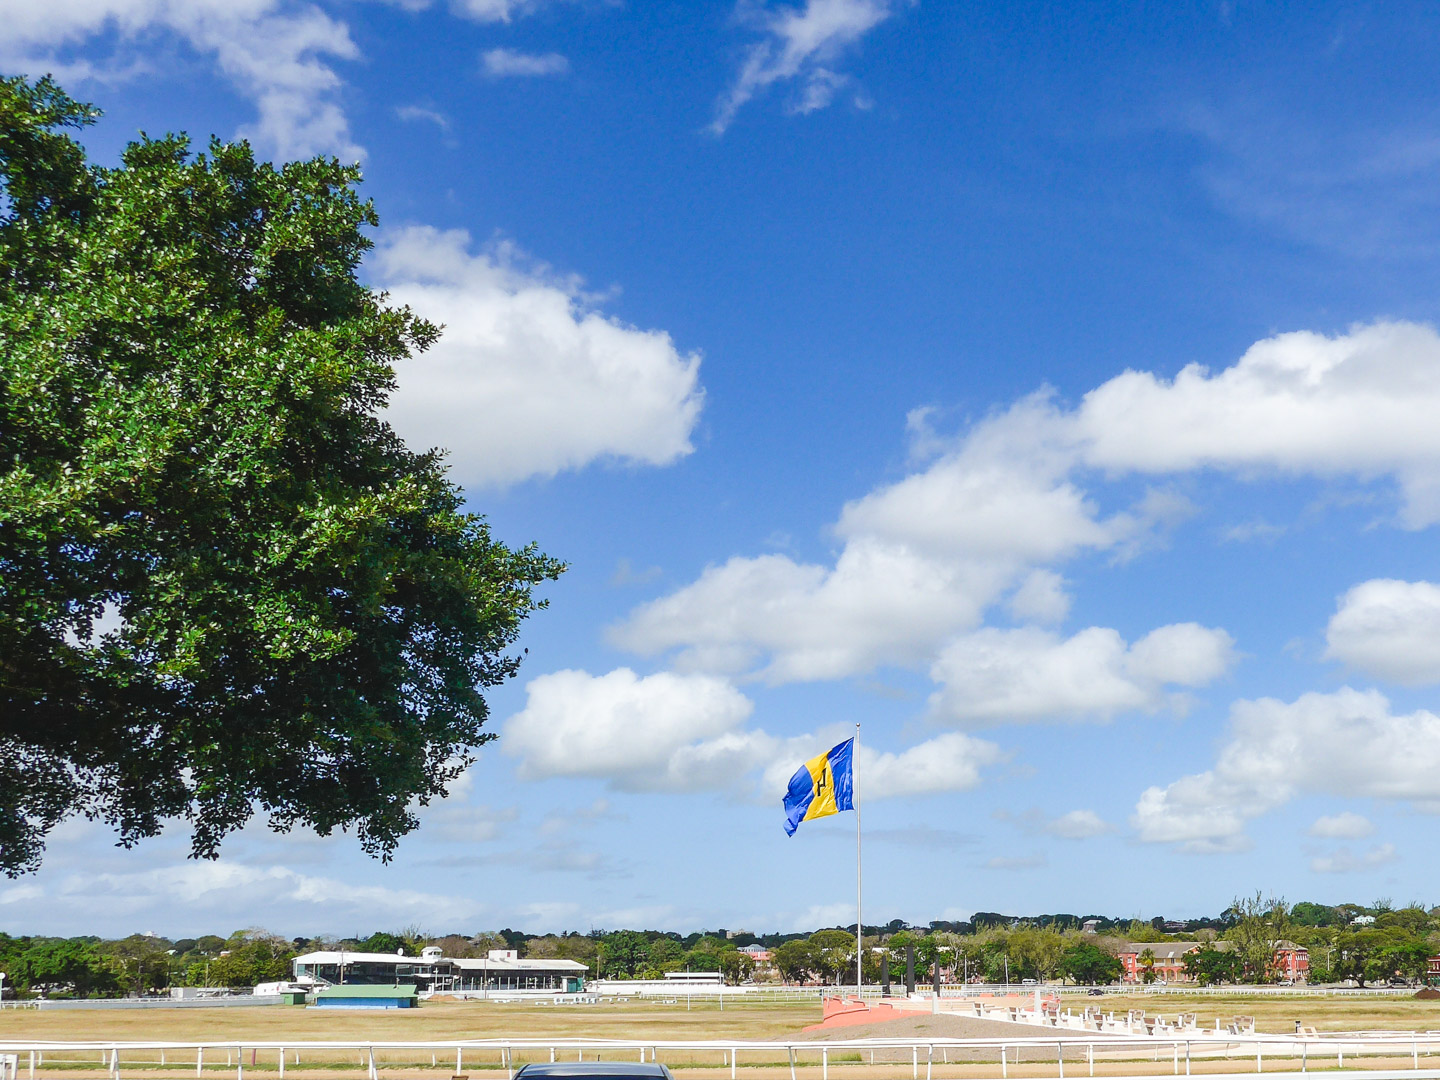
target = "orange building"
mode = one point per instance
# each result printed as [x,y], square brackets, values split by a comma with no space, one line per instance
[1291,963]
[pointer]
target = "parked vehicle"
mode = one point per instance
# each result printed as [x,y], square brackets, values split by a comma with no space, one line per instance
[594,1070]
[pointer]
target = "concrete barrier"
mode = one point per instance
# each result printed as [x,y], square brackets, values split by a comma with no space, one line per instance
[232,1002]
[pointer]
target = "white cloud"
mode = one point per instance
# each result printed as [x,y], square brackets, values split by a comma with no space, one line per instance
[227,892]
[528,379]
[464,824]
[1389,629]
[806,921]
[1079,825]
[1344,861]
[1246,531]
[800,43]
[656,732]
[411,113]
[492,11]
[508,63]
[1343,826]
[880,603]
[626,574]
[1346,744]
[923,559]
[950,762]
[1359,405]
[1041,598]
[1361,189]
[675,732]
[992,512]
[994,676]
[279,54]
[1002,495]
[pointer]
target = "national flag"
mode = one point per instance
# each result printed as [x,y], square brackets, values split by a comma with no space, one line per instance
[824,785]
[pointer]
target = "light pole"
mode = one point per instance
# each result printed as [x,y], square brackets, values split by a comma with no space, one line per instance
[2,988]
[1007,973]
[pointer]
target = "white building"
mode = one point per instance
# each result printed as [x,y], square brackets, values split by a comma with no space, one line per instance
[500,970]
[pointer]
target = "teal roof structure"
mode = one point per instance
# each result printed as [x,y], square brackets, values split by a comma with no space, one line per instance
[364,991]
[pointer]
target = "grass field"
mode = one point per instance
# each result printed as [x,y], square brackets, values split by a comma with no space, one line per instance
[435,1020]
[440,1021]
[1275,1013]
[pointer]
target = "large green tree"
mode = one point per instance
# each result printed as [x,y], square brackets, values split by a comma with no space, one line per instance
[1210,966]
[623,953]
[1258,927]
[226,585]
[65,965]
[1086,963]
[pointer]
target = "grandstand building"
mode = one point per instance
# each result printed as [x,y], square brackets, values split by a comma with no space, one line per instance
[501,970]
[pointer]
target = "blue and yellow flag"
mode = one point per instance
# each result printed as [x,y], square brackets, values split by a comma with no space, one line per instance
[823,786]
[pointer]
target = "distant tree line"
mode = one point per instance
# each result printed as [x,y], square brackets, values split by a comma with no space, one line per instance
[1354,943]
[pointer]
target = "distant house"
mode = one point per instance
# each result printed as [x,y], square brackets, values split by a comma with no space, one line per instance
[358,996]
[1291,963]
[1169,963]
[759,953]
[1090,926]
[1432,969]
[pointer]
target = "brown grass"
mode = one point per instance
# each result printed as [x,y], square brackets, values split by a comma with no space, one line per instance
[1276,1014]
[433,1021]
[439,1021]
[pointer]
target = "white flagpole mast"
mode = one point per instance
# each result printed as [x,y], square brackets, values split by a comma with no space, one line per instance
[859,880]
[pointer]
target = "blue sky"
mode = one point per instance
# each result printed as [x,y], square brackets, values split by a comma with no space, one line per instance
[1050,390]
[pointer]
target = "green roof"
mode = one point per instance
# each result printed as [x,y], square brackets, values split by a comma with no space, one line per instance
[363,991]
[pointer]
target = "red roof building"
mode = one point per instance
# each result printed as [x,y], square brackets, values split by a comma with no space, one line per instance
[1291,963]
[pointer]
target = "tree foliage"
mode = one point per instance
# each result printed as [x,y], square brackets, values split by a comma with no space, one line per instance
[1088,964]
[1259,926]
[623,953]
[225,584]
[64,966]
[1210,966]
[251,957]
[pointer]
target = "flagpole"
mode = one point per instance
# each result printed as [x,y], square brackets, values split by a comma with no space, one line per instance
[859,879]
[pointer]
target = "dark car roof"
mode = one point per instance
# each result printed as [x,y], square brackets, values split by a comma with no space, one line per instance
[600,1070]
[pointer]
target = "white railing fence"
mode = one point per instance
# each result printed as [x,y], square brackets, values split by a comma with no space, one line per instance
[1363,1056]
[784,992]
